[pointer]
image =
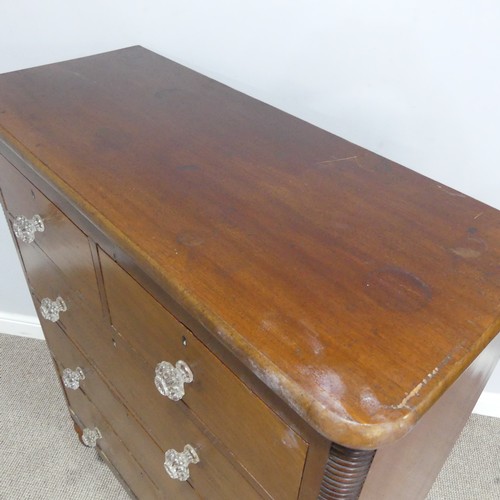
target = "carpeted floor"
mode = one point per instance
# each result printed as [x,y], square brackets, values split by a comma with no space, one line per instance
[41,457]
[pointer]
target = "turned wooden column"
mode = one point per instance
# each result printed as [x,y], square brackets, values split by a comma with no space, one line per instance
[345,473]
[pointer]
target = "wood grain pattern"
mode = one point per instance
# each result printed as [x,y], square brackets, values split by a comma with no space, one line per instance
[268,448]
[357,290]
[170,427]
[214,476]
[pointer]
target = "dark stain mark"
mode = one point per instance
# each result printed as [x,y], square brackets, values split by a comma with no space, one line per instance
[187,168]
[397,289]
[109,138]
[190,239]
[472,230]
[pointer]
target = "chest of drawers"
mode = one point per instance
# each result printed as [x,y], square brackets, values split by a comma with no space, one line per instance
[239,304]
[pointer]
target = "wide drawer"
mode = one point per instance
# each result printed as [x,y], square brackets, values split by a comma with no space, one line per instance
[60,239]
[265,445]
[86,414]
[212,478]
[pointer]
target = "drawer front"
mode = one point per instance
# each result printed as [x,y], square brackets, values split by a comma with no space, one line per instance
[60,239]
[213,477]
[47,281]
[87,415]
[265,446]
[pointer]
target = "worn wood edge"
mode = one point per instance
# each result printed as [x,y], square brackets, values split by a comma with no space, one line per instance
[327,420]
[407,469]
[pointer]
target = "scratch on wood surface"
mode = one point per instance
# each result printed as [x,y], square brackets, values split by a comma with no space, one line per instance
[450,192]
[478,215]
[335,160]
[80,76]
[416,390]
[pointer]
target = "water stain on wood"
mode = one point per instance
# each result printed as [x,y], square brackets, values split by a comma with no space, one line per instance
[469,248]
[397,289]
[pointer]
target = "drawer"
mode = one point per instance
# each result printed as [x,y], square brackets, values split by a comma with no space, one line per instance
[213,477]
[60,240]
[265,445]
[117,419]
[46,280]
[86,414]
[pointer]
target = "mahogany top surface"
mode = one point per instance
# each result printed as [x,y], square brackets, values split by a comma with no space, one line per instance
[356,289]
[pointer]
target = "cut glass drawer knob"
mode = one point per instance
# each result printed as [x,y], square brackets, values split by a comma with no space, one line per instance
[25,229]
[50,309]
[177,463]
[90,436]
[71,378]
[170,379]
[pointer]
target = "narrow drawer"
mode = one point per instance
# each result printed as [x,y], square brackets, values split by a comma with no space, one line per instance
[60,239]
[213,477]
[46,280]
[265,446]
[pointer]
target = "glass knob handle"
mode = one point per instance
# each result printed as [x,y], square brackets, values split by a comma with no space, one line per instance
[170,379]
[25,229]
[71,378]
[177,463]
[50,309]
[90,436]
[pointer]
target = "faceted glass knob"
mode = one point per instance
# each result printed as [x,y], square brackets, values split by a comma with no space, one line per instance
[170,379]
[71,378]
[50,309]
[25,229]
[177,463]
[90,436]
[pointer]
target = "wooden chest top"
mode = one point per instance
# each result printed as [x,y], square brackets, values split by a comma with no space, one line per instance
[356,289]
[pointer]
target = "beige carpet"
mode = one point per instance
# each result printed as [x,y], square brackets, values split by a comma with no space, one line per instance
[41,457]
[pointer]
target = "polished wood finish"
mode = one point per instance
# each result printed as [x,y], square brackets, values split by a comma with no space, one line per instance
[22,198]
[262,442]
[327,298]
[214,475]
[307,256]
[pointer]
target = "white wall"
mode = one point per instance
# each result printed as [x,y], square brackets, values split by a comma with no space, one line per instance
[416,81]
